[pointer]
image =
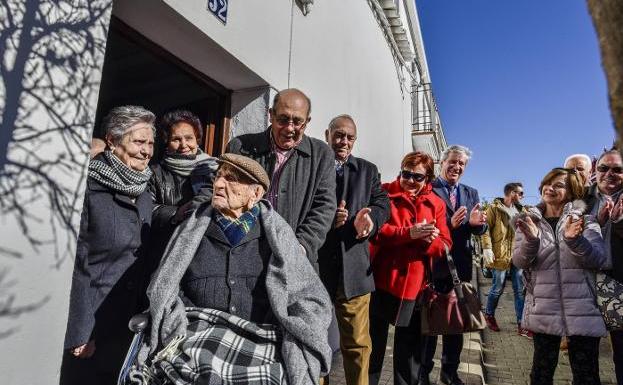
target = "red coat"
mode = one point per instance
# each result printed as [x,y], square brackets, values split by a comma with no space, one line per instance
[397,260]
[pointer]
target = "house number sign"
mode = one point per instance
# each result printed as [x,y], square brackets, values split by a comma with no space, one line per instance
[219,9]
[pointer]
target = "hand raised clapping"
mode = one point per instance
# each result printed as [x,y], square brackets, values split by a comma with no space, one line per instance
[363,223]
[573,227]
[477,217]
[341,214]
[425,231]
[528,228]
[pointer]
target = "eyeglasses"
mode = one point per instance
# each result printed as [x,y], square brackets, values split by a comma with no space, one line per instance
[416,176]
[615,169]
[520,193]
[284,120]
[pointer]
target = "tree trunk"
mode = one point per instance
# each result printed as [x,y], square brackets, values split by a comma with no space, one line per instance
[608,19]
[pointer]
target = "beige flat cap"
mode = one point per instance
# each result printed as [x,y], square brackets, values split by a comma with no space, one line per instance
[248,167]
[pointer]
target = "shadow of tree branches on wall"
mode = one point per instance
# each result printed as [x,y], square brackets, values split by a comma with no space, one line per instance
[51,53]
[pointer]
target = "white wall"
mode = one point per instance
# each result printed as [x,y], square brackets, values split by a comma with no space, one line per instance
[48,89]
[338,56]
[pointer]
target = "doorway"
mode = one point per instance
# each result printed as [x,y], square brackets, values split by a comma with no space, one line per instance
[139,72]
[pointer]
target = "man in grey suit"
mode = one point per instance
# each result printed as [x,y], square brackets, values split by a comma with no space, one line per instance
[301,169]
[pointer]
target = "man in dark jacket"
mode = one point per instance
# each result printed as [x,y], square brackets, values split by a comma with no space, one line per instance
[605,201]
[344,258]
[464,219]
[301,169]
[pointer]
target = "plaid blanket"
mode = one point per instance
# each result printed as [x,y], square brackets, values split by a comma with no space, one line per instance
[219,348]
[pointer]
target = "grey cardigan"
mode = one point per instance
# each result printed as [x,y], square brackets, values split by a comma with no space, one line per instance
[298,299]
[560,276]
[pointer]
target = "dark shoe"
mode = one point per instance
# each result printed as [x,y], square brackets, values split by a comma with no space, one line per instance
[423,379]
[492,323]
[450,379]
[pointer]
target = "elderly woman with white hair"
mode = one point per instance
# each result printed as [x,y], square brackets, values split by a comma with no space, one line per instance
[108,284]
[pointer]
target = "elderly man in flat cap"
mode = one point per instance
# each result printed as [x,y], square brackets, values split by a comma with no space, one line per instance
[235,296]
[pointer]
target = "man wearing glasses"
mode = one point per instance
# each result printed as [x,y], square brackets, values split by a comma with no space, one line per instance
[344,258]
[497,244]
[605,201]
[582,164]
[301,169]
[464,218]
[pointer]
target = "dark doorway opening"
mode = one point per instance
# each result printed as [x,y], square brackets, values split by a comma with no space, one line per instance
[137,71]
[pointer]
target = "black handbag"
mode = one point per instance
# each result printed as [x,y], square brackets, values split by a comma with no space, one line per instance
[456,312]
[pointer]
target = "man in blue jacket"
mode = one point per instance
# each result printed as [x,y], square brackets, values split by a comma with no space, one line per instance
[464,218]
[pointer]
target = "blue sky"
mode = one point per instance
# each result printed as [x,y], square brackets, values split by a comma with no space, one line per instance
[519,82]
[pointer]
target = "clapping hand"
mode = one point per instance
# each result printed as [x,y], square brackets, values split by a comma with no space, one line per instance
[616,214]
[426,231]
[363,223]
[605,211]
[458,217]
[477,217]
[84,351]
[573,227]
[341,214]
[528,228]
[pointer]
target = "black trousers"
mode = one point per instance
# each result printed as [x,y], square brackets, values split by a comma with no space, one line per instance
[452,345]
[583,359]
[617,354]
[408,347]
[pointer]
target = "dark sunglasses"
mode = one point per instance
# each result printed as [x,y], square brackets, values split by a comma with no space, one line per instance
[416,176]
[283,120]
[615,170]
[520,193]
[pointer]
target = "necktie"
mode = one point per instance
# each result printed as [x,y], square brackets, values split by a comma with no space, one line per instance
[339,168]
[453,197]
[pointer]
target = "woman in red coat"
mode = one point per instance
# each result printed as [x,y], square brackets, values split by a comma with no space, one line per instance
[414,234]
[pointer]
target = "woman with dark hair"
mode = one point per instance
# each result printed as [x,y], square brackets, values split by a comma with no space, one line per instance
[184,171]
[414,234]
[560,249]
[109,277]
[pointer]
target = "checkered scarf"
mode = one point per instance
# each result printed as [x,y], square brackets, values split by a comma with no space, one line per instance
[236,229]
[219,348]
[114,174]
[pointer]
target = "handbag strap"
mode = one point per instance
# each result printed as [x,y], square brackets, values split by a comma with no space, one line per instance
[455,275]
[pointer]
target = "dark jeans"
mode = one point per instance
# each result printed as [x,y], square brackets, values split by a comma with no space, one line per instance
[452,345]
[617,354]
[583,359]
[408,343]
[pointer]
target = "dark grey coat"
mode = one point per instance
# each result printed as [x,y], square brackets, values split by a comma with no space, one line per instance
[109,282]
[306,197]
[343,257]
[615,231]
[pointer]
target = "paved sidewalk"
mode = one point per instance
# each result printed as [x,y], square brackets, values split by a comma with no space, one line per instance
[508,357]
[470,369]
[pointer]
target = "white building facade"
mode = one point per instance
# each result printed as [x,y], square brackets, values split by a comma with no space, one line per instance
[65,64]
